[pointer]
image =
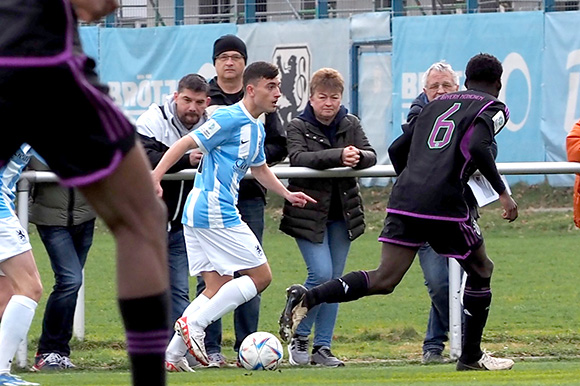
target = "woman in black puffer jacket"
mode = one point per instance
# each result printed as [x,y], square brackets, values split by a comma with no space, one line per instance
[324,136]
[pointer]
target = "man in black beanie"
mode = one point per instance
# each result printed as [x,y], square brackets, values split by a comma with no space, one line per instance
[226,88]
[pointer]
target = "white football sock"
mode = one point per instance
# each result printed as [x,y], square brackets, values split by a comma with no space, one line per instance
[176,349]
[14,328]
[229,296]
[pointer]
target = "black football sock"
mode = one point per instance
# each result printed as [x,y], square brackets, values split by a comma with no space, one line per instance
[476,302]
[147,328]
[352,286]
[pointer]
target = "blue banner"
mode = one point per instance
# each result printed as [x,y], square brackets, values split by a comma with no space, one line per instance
[515,38]
[143,65]
[561,79]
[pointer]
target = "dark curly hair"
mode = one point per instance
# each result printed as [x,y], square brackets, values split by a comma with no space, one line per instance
[484,68]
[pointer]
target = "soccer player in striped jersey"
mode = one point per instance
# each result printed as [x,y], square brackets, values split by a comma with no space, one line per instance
[441,148]
[18,265]
[218,242]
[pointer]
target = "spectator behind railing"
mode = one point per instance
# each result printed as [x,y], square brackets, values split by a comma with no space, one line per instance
[573,150]
[65,224]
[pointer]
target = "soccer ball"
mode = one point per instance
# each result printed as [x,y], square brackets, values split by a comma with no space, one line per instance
[260,351]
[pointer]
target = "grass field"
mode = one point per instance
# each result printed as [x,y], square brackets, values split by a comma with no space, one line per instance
[534,312]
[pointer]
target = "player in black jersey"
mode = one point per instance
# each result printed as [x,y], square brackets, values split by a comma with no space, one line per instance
[435,156]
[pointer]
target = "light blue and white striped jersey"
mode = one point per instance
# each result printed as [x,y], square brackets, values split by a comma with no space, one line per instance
[9,175]
[231,142]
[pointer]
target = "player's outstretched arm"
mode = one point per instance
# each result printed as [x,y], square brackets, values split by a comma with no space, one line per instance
[269,180]
[171,156]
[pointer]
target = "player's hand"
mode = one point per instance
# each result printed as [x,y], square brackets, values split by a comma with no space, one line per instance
[195,157]
[510,207]
[93,10]
[350,156]
[156,184]
[299,199]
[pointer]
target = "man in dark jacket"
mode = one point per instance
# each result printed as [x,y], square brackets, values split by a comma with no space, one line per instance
[226,88]
[65,224]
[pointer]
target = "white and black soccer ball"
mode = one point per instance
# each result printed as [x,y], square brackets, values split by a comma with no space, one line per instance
[260,351]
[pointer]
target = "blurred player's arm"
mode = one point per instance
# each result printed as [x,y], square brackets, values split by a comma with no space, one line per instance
[93,10]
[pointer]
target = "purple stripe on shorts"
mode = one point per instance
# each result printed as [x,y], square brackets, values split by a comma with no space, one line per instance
[147,342]
[426,216]
[399,242]
[468,234]
[95,176]
[457,257]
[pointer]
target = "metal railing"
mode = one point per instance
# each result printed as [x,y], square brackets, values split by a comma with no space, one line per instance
[285,171]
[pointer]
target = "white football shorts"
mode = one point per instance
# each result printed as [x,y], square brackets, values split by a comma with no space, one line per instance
[224,250]
[13,238]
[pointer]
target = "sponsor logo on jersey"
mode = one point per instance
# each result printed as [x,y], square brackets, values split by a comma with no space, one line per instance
[498,121]
[209,128]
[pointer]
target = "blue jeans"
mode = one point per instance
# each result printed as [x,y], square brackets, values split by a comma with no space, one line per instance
[324,261]
[436,272]
[67,248]
[247,315]
[178,273]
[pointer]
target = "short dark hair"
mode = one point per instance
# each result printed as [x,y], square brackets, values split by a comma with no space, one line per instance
[483,68]
[193,82]
[259,70]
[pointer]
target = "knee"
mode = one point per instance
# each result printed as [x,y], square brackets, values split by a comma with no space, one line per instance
[262,282]
[381,283]
[33,291]
[319,277]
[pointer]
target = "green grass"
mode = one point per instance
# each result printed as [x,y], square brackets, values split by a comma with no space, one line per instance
[534,312]
[526,373]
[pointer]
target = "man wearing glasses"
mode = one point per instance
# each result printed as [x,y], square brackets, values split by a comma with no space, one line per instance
[438,80]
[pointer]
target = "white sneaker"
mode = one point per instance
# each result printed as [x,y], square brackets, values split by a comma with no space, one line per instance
[487,362]
[178,367]
[193,337]
[216,360]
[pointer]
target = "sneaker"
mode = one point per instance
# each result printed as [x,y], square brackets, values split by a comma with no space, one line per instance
[294,311]
[193,337]
[66,363]
[432,357]
[47,362]
[324,357]
[486,362]
[298,350]
[216,360]
[178,367]
[8,379]
[192,361]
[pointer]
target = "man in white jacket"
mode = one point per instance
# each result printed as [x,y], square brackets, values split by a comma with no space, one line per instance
[159,128]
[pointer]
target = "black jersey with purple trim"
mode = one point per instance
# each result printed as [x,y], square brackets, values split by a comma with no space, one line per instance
[34,28]
[439,162]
